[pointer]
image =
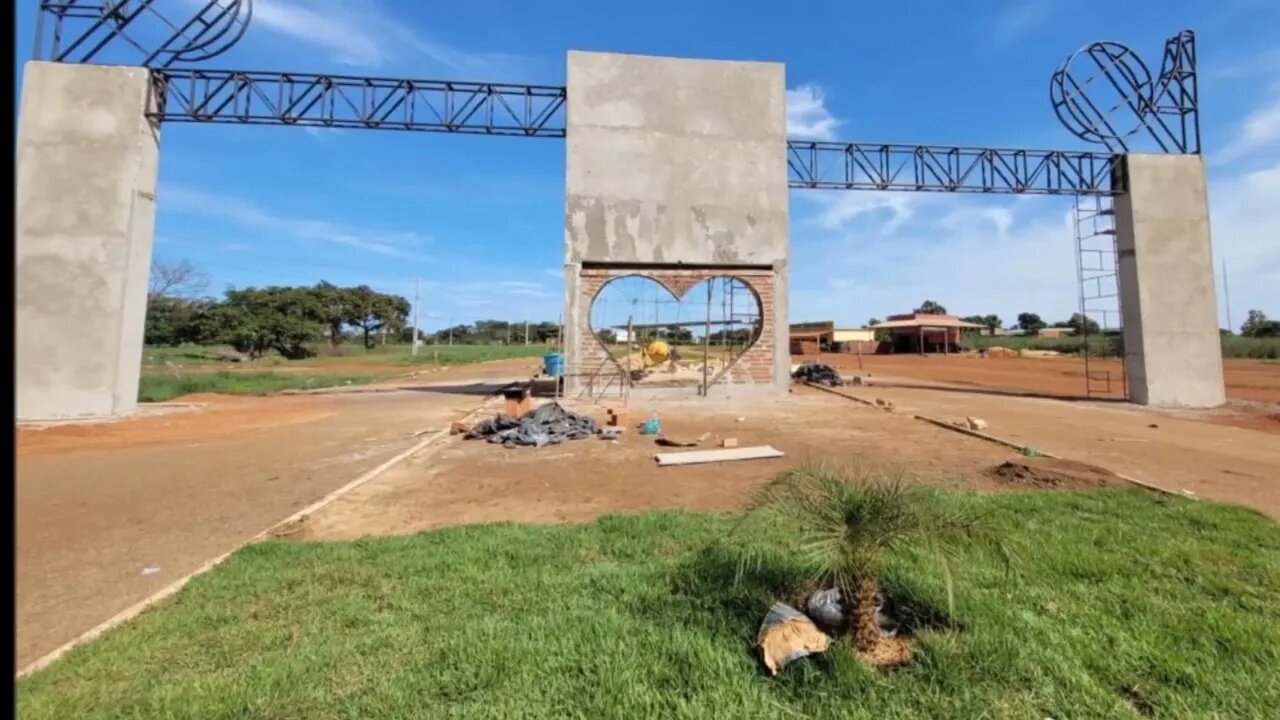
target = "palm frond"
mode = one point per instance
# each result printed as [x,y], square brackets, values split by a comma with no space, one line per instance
[848,518]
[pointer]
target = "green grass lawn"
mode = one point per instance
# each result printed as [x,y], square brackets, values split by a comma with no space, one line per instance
[159,387]
[348,352]
[1125,604]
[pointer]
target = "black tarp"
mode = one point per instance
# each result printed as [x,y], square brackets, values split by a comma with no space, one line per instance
[547,424]
[818,374]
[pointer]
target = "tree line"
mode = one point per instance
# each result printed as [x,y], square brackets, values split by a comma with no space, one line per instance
[286,319]
[1255,325]
[496,332]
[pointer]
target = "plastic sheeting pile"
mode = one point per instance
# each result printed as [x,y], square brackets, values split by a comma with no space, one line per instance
[548,424]
[818,374]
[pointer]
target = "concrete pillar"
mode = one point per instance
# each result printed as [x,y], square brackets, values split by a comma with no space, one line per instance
[676,163]
[1173,352]
[85,213]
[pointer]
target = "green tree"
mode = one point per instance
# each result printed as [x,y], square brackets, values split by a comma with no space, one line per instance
[334,307]
[1083,325]
[283,319]
[1258,325]
[677,335]
[849,522]
[171,301]
[880,335]
[976,320]
[371,311]
[168,320]
[1031,323]
[929,307]
[993,323]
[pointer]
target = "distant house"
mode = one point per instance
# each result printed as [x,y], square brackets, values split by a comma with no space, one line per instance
[923,332]
[1049,332]
[848,335]
[812,338]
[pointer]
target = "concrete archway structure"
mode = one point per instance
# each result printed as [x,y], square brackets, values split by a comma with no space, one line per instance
[674,166]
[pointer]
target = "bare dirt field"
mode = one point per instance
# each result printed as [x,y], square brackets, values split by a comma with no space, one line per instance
[1253,386]
[109,512]
[471,481]
[1062,376]
[1180,451]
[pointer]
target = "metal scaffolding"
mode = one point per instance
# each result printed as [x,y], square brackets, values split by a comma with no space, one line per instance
[1100,326]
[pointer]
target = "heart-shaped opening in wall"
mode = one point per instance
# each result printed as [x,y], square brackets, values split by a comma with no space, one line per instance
[660,339]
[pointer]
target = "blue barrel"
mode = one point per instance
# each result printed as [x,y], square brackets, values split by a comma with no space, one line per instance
[553,364]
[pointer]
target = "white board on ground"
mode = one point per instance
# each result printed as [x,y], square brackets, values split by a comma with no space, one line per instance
[709,456]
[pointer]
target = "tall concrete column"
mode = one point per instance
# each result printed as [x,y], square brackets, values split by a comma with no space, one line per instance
[1173,352]
[676,163]
[85,204]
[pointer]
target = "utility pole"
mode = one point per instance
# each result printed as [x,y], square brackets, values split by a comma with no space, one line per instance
[416,287]
[526,332]
[1227,290]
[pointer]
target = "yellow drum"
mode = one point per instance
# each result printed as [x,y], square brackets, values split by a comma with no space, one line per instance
[657,351]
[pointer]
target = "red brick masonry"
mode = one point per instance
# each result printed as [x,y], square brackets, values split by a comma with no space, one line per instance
[755,366]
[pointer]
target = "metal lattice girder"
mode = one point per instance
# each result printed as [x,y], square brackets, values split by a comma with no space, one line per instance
[275,98]
[866,166]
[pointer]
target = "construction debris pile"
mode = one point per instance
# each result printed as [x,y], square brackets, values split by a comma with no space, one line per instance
[548,424]
[818,374]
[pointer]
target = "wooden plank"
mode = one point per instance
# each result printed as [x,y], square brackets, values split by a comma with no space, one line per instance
[724,455]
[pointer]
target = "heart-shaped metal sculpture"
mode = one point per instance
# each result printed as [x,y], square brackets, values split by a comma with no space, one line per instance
[1104,93]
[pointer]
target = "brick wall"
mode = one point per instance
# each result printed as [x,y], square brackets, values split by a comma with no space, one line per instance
[755,366]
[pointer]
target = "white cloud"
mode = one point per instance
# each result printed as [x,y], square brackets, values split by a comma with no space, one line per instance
[1259,131]
[1020,17]
[336,32]
[807,115]
[974,255]
[362,34]
[859,255]
[502,299]
[322,134]
[1263,64]
[886,211]
[190,201]
[1245,217]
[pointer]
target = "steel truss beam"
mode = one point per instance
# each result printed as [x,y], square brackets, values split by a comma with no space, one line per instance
[274,98]
[934,168]
[337,101]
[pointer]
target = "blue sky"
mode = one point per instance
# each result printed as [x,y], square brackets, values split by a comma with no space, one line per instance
[480,220]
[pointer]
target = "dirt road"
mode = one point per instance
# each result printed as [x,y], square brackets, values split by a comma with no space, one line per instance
[108,513]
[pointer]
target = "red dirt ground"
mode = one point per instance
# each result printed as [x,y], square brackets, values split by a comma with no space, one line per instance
[1254,380]
[471,481]
[1253,386]
[96,503]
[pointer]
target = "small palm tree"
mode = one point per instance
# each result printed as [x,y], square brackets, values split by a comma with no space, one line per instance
[851,519]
